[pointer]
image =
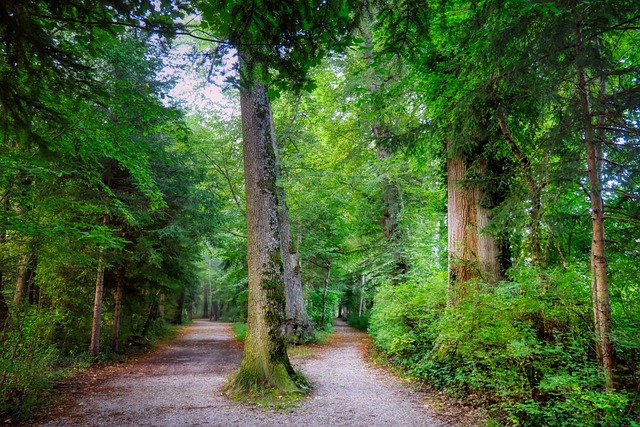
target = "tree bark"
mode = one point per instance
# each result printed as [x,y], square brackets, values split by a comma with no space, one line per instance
[117,310]
[207,295]
[298,326]
[535,188]
[391,210]
[179,314]
[265,364]
[361,307]
[599,281]
[324,297]
[463,231]
[25,272]
[215,310]
[4,307]
[97,301]
[489,250]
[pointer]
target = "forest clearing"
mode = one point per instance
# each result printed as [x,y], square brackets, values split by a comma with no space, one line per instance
[458,179]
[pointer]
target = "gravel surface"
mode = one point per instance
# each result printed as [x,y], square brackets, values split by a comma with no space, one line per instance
[180,385]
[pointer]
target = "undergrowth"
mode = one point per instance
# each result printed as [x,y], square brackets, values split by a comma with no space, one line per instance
[523,349]
[31,365]
[239,330]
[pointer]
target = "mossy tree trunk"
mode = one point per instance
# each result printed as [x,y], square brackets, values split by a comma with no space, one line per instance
[265,365]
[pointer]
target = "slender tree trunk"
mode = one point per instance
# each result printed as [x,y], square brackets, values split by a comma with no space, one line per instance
[97,301]
[117,310]
[25,271]
[152,316]
[324,297]
[179,315]
[463,231]
[361,307]
[265,364]
[161,299]
[390,190]
[298,326]
[391,212]
[599,282]
[215,310]
[207,295]
[4,307]
[535,189]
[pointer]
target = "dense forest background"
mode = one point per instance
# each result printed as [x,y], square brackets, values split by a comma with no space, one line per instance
[462,179]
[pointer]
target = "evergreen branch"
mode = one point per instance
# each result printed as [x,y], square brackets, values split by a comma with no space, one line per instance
[633,220]
[626,214]
[624,193]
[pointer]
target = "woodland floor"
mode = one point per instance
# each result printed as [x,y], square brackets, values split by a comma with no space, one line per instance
[180,384]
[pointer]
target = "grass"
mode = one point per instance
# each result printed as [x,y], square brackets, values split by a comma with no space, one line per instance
[322,337]
[240,330]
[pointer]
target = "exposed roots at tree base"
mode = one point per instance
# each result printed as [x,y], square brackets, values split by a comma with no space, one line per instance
[278,390]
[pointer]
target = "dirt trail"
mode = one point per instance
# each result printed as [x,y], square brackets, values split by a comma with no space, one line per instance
[180,385]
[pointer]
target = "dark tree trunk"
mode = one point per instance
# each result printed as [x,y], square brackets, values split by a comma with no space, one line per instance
[117,309]
[179,315]
[215,310]
[152,316]
[207,295]
[4,307]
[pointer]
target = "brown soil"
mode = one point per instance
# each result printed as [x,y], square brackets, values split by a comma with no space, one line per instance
[180,384]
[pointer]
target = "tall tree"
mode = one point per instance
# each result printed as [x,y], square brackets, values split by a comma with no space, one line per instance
[269,35]
[265,360]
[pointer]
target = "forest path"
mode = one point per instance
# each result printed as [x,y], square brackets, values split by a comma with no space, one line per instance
[180,384]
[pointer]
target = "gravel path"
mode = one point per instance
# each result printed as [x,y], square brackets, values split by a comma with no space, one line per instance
[180,385]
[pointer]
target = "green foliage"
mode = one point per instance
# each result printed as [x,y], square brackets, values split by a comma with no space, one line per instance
[314,307]
[240,330]
[30,364]
[522,348]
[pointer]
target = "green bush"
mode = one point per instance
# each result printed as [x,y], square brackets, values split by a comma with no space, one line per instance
[523,348]
[240,330]
[314,307]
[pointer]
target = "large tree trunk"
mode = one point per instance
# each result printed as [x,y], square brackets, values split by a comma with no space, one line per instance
[463,231]
[97,301]
[265,364]
[599,281]
[489,250]
[117,310]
